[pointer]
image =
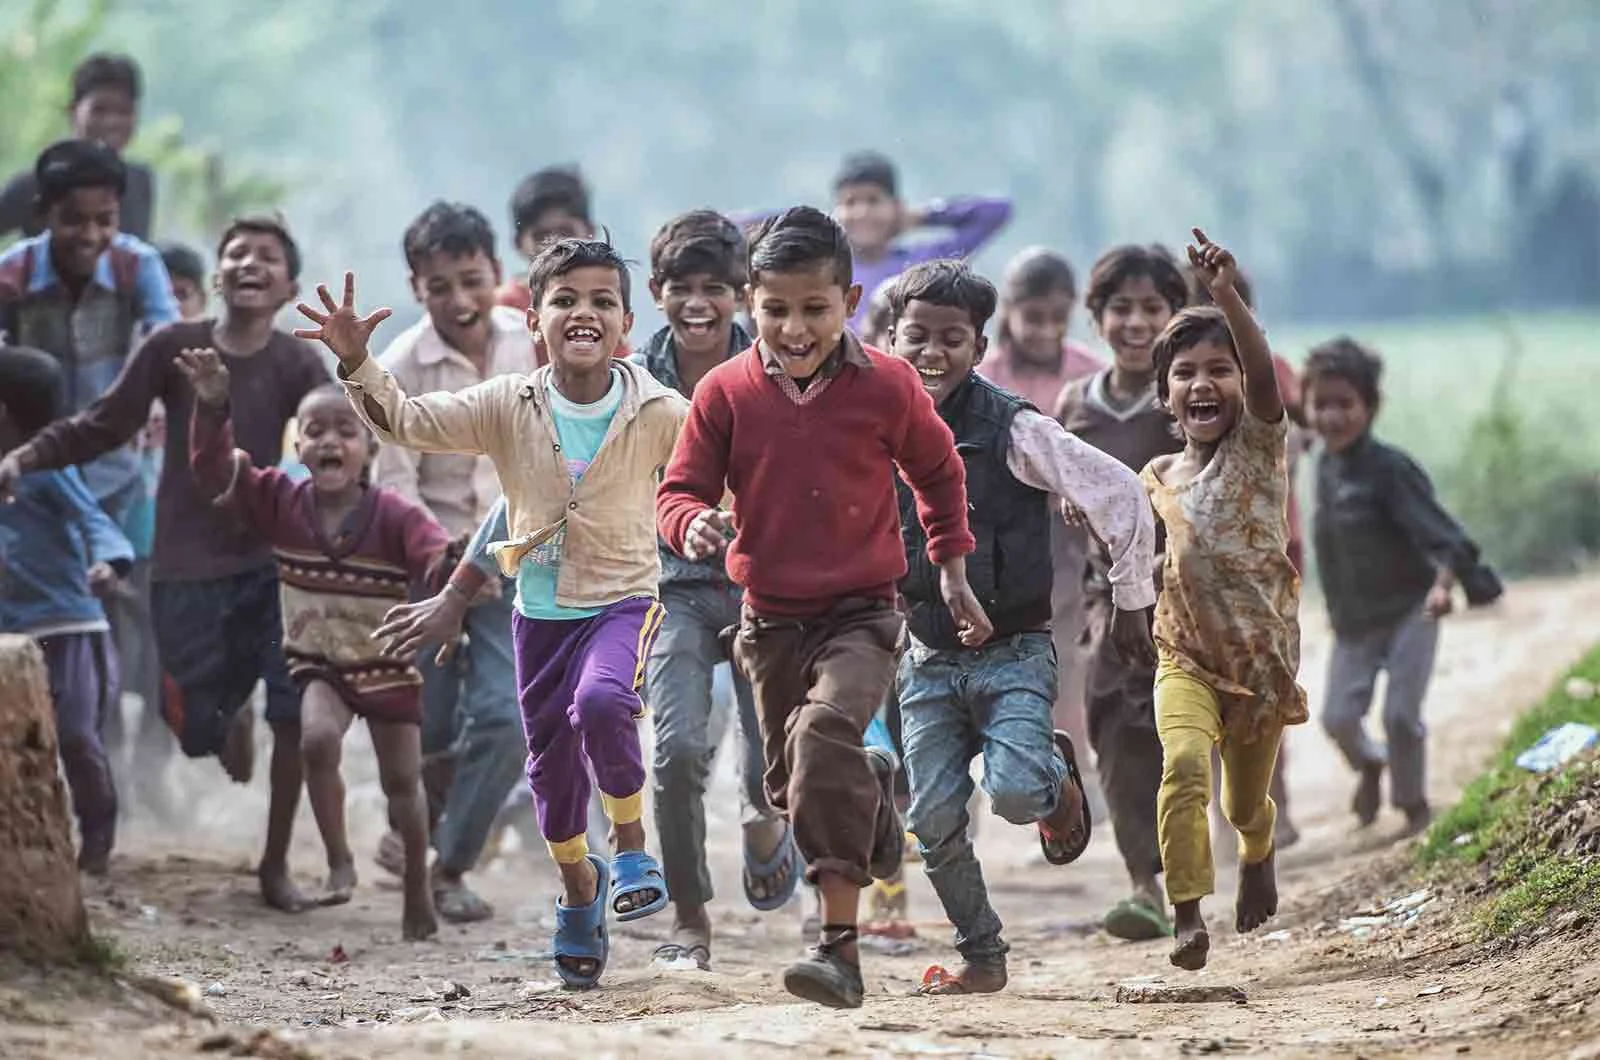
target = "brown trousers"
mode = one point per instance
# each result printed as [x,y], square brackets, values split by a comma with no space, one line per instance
[817,684]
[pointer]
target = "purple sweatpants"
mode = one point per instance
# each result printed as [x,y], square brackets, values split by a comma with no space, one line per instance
[578,683]
[83,689]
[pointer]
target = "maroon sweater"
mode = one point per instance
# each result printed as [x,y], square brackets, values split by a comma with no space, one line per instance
[813,486]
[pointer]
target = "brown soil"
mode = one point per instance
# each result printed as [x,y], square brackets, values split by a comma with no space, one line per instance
[183,903]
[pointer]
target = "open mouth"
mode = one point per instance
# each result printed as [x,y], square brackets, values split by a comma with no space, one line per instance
[931,377]
[250,283]
[328,462]
[699,326]
[582,337]
[467,319]
[796,353]
[1204,411]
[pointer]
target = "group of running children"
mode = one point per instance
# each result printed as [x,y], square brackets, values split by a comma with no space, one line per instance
[900,517]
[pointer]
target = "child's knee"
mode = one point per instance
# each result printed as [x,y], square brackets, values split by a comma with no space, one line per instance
[1022,800]
[321,748]
[604,704]
[938,825]
[1187,768]
[399,782]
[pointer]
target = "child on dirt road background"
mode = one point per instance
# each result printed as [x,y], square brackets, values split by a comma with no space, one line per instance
[997,698]
[347,551]
[1227,624]
[577,446]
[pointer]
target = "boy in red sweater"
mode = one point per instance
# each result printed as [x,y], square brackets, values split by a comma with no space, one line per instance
[806,429]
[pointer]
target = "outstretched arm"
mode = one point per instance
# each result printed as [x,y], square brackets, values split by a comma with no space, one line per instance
[1216,266]
[968,222]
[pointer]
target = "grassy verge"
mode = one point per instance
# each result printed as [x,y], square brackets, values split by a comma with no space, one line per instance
[1515,829]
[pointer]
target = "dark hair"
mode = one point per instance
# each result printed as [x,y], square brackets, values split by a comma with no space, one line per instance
[1345,358]
[31,387]
[800,238]
[106,71]
[945,282]
[451,228]
[880,313]
[700,241]
[868,167]
[553,188]
[264,224]
[1200,291]
[1035,272]
[67,165]
[183,262]
[565,255]
[1191,327]
[1130,262]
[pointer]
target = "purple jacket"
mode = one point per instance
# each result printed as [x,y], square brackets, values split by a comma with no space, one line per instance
[961,226]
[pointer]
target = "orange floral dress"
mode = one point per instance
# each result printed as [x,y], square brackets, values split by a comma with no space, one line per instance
[1230,599]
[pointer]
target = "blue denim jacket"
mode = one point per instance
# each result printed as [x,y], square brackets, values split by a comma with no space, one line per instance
[49,537]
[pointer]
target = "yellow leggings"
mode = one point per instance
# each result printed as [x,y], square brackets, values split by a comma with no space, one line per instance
[1189,723]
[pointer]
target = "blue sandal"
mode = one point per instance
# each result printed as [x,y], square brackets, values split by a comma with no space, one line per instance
[581,933]
[636,872]
[764,876]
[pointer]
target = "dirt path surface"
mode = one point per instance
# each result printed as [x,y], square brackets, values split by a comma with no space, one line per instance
[340,983]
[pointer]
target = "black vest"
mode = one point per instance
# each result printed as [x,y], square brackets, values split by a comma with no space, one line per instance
[1010,571]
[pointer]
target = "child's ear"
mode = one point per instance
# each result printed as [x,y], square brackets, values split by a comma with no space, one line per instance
[979,348]
[852,298]
[533,321]
[419,290]
[655,292]
[627,323]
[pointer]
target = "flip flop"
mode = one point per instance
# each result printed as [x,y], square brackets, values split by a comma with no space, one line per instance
[581,933]
[671,952]
[1135,921]
[765,875]
[636,872]
[1064,850]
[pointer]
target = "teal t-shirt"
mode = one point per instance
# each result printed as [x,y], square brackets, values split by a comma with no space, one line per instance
[581,429]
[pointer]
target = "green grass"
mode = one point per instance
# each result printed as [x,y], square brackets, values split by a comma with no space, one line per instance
[1499,816]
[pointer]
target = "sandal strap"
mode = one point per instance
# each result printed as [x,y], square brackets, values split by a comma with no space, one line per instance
[834,935]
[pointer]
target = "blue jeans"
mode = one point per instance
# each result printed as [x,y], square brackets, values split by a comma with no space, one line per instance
[954,705]
[680,695]
[480,684]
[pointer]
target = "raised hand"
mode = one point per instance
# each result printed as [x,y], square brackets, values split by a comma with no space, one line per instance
[341,328]
[1212,263]
[206,373]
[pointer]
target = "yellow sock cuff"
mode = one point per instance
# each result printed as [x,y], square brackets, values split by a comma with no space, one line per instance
[569,851]
[626,810]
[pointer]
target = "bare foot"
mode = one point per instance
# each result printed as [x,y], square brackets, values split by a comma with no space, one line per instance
[340,886]
[1258,895]
[279,891]
[417,920]
[981,977]
[238,754]
[1194,942]
[691,926]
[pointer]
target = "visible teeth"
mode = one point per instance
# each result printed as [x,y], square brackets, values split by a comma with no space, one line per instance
[932,373]
[579,334]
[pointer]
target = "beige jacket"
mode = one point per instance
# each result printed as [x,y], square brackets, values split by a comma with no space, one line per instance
[458,490]
[610,515]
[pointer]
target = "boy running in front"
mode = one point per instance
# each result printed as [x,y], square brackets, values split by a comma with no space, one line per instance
[997,698]
[578,446]
[807,429]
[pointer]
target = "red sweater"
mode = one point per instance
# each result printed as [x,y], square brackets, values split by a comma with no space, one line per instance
[813,487]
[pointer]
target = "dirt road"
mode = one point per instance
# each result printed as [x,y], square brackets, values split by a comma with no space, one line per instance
[183,903]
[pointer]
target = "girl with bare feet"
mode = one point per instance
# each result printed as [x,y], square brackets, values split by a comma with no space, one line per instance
[1227,626]
[347,552]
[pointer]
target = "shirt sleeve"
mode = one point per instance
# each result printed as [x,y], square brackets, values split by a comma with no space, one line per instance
[16,203]
[423,543]
[1414,506]
[494,528]
[226,475]
[157,304]
[697,472]
[115,417]
[1043,455]
[925,452]
[440,422]
[969,223]
[107,543]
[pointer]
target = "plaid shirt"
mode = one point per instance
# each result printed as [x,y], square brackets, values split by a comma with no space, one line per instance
[849,351]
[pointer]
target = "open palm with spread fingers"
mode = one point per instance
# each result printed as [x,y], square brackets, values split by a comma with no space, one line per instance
[341,328]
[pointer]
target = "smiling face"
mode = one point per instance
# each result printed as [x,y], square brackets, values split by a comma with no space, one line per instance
[1205,390]
[1130,321]
[941,344]
[1037,327]
[253,273]
[1337,412]
[107,114]
[458,293]
[699,309]
[82,223]
[801,315]
[869,215]
[581,317]
[333,443]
